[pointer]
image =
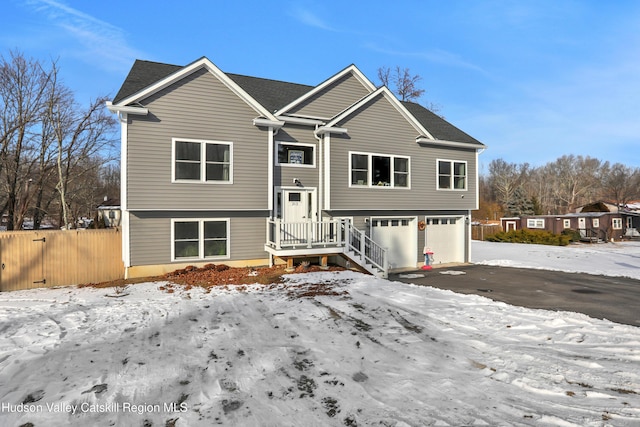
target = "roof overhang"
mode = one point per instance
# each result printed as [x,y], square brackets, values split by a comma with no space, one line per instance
[423,140]
[141,111]
[261,121]
[330,129]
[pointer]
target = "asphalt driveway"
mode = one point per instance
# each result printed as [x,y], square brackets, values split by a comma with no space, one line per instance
[613,298]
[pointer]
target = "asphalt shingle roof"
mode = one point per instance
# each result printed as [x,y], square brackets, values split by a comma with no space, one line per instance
[437,126]
[142,75]
[274,94]
[271,94]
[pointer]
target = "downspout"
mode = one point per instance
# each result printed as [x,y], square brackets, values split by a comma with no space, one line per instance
[320,172]
[270,176]
[124,203]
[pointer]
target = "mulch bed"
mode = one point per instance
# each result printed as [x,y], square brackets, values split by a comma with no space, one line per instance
[212,275]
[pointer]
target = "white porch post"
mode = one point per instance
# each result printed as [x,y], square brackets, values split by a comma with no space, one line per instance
[362,246]
[277,231]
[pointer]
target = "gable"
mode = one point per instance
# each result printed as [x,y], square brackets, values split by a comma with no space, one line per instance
[139,78]
[332,99]
[200,104]
[379,119]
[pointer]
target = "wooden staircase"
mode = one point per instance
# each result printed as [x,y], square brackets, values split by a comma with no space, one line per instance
[323,238]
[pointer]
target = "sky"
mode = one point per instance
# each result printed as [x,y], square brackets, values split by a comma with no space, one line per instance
[533,80]
[322,349]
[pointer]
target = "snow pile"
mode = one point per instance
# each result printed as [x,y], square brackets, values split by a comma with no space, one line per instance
[339,349]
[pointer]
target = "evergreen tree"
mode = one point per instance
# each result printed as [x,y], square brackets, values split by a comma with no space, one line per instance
[518,204]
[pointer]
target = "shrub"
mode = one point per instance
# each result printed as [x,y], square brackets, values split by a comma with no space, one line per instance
[539,237]
[573,235]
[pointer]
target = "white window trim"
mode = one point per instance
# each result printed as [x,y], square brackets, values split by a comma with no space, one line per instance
[616,223]
[295,165]
[566,223]
[536,223]
[203,164]
[370,171]
[466,175]
[200,222]
[595,222]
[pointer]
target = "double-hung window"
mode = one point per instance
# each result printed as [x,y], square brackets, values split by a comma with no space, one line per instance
[203,161]
[378,170]
[535,223]
[200,239]
[452,175]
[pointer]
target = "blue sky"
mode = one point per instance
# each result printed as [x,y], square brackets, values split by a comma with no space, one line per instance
[533,80]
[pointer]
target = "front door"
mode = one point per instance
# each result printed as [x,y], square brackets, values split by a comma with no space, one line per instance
[298,205]
[298,208]
[582,226]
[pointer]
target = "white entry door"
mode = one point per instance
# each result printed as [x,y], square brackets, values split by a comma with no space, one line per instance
[582,225]
[298,205]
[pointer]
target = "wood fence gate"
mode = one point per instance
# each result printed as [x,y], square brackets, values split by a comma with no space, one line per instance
[36,259]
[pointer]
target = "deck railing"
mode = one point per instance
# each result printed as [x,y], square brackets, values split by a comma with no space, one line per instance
[304,234]
[366,249]
[331,233]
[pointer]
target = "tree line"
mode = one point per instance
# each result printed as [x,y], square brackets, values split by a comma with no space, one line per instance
[559,187]
[56,161]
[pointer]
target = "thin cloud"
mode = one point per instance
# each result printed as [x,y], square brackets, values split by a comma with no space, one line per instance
[97,39]
[308,18]
[437,56]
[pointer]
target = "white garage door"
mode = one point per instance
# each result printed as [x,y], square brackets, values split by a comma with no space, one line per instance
[398,236]
[445,237]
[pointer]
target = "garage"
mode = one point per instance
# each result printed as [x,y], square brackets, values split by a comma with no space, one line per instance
[398,236]
[445,237]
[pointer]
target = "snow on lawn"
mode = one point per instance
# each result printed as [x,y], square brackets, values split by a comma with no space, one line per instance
[367,352]
[608,259]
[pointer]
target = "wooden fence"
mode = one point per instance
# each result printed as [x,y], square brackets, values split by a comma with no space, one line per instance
[482,231]
[36,259]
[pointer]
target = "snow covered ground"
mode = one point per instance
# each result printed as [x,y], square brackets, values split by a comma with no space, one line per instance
[608,259]
[363,352]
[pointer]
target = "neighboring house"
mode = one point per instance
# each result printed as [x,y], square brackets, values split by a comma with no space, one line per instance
[593,226]
[629,214]
[240,170]
[109,211]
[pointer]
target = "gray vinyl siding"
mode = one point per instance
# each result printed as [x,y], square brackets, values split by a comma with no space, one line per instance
[333,99]
[380,129]
[197,107]
[150,235]
[308,176]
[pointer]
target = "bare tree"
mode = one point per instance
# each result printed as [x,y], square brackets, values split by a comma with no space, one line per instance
[81,137]
[51,148]
[504,178]
[23,87]
[621,184]
[574,180]
[405,85]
